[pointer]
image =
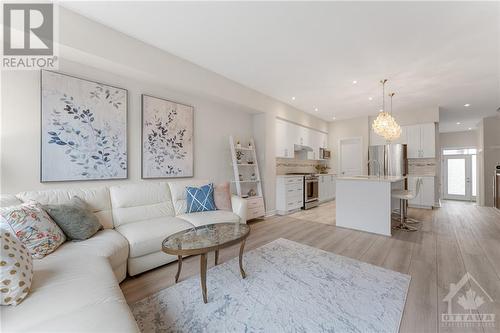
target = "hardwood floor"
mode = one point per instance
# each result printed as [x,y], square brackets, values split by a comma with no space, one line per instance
[455,239]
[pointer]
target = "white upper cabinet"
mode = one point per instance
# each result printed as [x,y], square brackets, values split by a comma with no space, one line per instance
[421,141]
[428,140]
[284,143]
[413,135]
[289,134]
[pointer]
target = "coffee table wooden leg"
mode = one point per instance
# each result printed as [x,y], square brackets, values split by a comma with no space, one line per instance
[242,247]
[179,267]
[203,275]
[216,257]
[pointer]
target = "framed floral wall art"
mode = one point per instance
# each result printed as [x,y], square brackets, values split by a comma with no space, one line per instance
[84,129]
[167,138]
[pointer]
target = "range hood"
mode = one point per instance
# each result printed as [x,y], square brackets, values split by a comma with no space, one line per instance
[302,148]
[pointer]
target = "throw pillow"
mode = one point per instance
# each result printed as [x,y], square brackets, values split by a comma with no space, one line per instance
[34,228]
[222,196]
[16,268]
[75,219]
[200,199]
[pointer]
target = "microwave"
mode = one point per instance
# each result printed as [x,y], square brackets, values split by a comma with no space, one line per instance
[324,154]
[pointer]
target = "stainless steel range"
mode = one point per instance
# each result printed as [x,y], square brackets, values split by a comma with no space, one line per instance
[311,190]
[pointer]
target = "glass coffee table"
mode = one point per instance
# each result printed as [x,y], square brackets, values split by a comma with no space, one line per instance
[204,239]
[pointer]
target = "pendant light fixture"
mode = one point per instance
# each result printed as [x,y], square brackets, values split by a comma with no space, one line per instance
[385,125]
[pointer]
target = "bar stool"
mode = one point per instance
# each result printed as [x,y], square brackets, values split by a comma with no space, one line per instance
[404,196]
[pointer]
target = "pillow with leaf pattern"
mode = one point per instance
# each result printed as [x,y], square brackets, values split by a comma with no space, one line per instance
[34,228]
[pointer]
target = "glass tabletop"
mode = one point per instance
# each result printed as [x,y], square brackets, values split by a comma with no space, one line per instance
[206,236]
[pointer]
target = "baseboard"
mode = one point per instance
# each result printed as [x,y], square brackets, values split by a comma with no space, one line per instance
[270,213]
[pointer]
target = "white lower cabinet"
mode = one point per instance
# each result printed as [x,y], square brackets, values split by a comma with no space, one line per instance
[289,194]
[425,197]
[326,187]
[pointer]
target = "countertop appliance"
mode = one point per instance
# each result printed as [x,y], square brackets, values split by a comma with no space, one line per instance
[324,154]
[388,160]
[311,189]
[496,188]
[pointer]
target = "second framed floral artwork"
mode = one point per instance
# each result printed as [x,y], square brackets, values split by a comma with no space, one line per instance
[167,138]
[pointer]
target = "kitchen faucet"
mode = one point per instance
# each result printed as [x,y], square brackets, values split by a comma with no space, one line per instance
[378,166]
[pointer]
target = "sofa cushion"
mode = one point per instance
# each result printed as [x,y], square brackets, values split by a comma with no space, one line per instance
[16,268]
[200,199]
[216,216]
[34,228]
[106,243]
[178,192]
[96,198]
[222,196]
[139,202]
[75,219]
[80,294]
[146,236]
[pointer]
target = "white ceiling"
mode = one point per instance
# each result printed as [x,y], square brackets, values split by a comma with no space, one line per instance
[434,54]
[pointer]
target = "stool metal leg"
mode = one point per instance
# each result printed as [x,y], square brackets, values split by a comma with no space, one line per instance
[403,212]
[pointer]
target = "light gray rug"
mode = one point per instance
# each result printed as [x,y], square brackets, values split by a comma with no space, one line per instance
[289,287]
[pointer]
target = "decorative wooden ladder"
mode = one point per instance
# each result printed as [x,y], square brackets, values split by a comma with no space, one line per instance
[256,202]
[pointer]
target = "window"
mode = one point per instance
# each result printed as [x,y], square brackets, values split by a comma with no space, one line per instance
[460,151]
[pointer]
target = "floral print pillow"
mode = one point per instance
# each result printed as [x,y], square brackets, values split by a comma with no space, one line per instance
[34,228]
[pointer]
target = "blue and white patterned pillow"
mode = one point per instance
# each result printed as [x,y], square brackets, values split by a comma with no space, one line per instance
[200,199]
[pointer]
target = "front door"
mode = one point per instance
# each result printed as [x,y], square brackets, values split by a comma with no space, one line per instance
[460,177]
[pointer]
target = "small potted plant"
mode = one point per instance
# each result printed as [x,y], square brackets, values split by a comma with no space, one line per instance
[253,177]
[249,145]
[238,145]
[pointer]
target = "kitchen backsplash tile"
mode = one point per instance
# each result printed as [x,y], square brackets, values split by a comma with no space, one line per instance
[422,166]
[290,165]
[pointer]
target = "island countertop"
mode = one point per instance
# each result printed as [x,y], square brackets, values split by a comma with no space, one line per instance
[386,179]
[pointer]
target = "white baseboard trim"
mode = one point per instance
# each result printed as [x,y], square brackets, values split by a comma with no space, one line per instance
[270,213]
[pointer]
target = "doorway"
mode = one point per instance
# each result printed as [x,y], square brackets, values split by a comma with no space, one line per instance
[460,174]
[351,156]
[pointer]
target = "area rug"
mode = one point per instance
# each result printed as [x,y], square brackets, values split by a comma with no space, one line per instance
[290,287]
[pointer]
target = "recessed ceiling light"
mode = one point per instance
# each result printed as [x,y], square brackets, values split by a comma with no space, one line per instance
[293,98]
[354,82]
[467,105]
[380,110]
[316,109]
[458,123]
[470,128]
[370,98]
[334,117]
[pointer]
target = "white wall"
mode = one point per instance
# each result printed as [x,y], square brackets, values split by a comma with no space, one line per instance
[408,117]
[20,143]
[458,139]
[93,51]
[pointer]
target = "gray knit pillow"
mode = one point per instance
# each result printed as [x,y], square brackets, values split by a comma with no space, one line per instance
[75,219]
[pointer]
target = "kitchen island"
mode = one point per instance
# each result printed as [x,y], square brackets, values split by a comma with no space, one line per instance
[365,202]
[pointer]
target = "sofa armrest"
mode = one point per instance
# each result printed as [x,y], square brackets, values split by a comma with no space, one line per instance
[239,207]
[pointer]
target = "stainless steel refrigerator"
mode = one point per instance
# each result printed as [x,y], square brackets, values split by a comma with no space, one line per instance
[391,160]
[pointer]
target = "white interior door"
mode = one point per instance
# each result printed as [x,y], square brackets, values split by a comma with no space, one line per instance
[350,156]
[459,177]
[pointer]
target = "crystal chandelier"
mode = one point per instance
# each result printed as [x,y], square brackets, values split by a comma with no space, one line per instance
[385,125]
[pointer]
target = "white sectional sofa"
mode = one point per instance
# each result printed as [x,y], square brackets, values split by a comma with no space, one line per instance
[76,288]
